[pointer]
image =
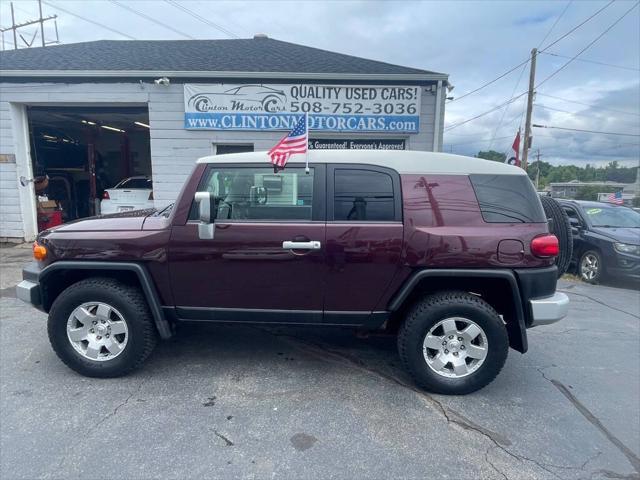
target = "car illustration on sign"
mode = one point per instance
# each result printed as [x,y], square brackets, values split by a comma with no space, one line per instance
[245,97]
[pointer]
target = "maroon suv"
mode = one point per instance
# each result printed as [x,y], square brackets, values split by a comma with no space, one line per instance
[452,253]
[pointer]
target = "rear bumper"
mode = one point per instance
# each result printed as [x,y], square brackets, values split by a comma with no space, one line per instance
[549,309]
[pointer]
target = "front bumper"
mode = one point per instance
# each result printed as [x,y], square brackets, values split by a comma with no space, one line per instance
[28,290]
[549,309]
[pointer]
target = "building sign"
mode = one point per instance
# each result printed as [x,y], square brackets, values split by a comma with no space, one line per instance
[331,108]
[359,144]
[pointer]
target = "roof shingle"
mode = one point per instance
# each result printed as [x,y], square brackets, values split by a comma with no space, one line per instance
[242,55]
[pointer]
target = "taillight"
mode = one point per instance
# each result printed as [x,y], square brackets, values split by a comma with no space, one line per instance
[545,246]
[105,195]
[151,195]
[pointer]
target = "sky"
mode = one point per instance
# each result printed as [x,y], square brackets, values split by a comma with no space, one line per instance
[472,41]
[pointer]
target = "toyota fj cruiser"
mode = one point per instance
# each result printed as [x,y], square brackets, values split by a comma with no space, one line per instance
[451,253]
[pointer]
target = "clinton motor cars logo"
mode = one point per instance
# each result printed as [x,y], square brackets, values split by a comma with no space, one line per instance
[337,108]
[245,98]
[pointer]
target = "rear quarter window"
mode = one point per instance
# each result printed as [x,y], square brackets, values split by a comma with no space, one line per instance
[507,199]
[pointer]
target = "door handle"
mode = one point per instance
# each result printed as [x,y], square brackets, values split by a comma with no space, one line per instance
[311,245]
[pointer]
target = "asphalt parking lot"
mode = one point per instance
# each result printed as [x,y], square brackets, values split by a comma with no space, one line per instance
[241,401]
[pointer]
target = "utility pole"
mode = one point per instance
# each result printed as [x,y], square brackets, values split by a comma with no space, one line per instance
[538,154]
[15,26]
[41,22]
[527,126]
[13,23]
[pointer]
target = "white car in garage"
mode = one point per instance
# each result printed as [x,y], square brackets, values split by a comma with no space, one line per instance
[133,193]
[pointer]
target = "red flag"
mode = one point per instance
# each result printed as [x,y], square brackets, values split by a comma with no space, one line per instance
[516,148]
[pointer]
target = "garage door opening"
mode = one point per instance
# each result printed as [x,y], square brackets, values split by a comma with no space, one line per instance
[79,154]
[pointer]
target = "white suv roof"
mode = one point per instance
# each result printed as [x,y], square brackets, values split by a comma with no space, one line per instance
[404,161]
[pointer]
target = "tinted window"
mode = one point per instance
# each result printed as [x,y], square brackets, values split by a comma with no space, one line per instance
[250,193]
[134,183]
[363,195]
[507,199]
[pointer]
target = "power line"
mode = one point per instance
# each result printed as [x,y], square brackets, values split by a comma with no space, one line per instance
[594,61]
[515,87]
[578,26]
[147,17]
[588,45]
[497,107]
[586,131]
[88,20]
[201,18]
[490,82]
[588,104]
[477,141]
[527,60]
[564,111]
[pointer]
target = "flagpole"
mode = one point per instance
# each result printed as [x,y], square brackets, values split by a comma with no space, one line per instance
[306,121]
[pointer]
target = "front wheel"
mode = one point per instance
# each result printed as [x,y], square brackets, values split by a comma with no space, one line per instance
[590,267]
[100,327]
[453,343]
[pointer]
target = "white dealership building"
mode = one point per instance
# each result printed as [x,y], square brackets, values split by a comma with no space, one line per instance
[84,116]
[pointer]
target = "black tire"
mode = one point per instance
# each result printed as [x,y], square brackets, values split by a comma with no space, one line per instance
[427,313]
[128,301]
[561,228]
[598,273]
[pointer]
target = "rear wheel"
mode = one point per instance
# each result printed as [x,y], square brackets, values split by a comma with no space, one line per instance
[453,343]
[590,267]
[561,228]
[100,327]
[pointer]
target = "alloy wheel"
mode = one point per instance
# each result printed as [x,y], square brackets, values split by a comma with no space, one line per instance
[455,347]
[97,331]
[589,267]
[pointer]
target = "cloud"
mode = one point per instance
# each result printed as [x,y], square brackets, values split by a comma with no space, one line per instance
[472,41]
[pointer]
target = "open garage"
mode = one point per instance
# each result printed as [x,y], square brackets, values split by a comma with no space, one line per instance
[80,152]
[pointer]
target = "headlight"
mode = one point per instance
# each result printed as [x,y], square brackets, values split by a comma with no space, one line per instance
[627,248]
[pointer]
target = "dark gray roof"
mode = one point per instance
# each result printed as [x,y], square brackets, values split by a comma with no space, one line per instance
[242,55]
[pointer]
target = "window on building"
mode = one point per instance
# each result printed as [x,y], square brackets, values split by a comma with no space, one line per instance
[363,195]
[256,193]
[222,149]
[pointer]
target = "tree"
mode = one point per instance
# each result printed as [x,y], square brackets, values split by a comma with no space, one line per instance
[492,155]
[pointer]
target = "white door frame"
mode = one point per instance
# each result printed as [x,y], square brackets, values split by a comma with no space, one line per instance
[24,168]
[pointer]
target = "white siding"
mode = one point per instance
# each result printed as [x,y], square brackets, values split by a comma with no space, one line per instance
[174,150]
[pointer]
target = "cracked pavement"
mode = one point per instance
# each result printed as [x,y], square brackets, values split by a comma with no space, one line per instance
[255,402]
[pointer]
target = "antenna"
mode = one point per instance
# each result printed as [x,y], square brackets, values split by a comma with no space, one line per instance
[15,26]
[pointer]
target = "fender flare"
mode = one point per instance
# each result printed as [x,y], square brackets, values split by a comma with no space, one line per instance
[146,282]
[517,330]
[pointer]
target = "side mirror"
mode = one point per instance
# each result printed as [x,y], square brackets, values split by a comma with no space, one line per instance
[576,226]
[206,226]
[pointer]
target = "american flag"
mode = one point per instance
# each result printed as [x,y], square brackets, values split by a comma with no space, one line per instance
[295,142]
[615,198]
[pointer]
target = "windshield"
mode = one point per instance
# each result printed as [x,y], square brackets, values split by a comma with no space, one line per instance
[613,217]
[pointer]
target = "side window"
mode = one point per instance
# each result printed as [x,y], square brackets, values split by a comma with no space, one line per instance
[256,193]
[507,199]
[363,195]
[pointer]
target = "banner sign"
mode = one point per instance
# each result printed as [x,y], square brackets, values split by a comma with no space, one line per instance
[359,144]
[332,108]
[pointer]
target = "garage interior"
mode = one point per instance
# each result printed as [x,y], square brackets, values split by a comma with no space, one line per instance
[78,152]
